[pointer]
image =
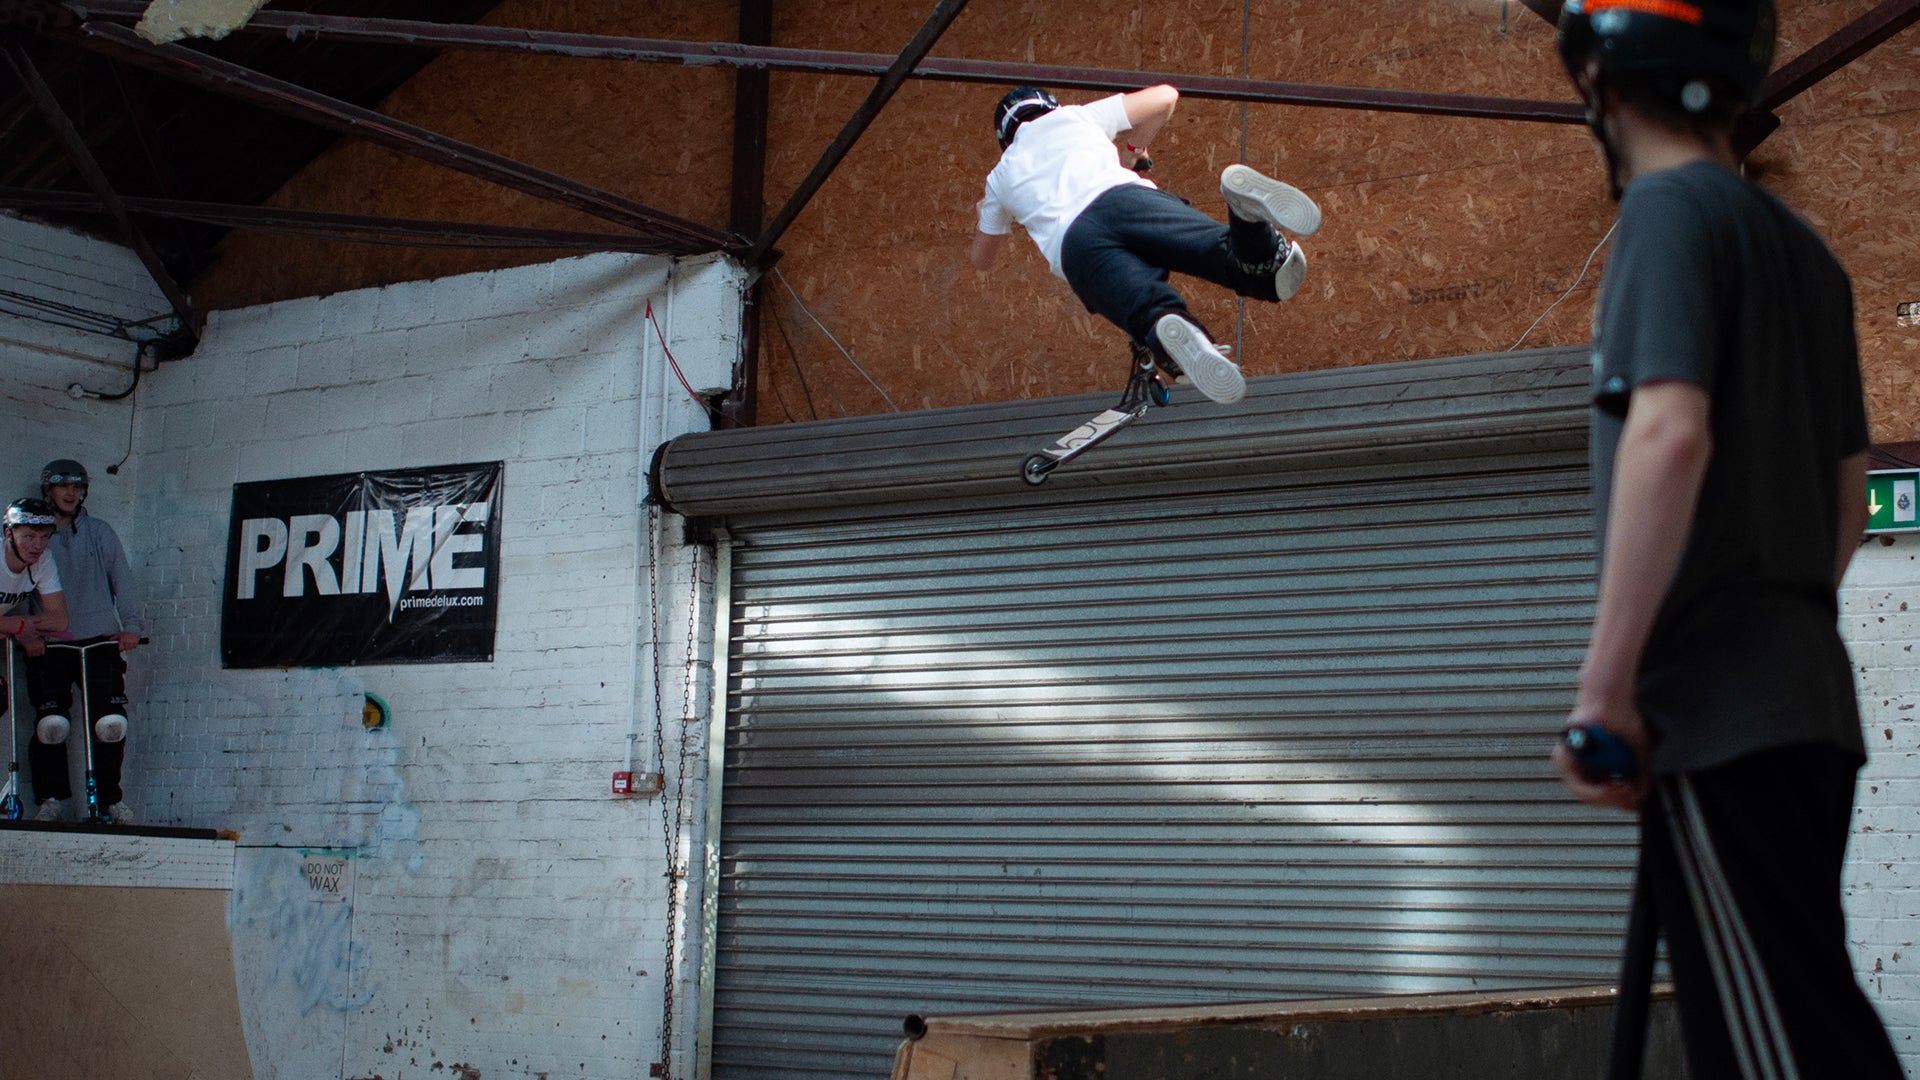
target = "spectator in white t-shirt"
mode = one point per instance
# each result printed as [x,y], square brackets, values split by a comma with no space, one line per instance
[28,572]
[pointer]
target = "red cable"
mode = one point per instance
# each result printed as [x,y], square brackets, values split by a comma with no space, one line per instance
[704,407]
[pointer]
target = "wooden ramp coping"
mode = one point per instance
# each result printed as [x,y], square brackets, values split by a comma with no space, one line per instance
[1453,1036]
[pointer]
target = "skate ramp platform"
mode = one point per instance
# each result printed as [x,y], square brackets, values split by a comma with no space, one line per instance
[1462,1036]
[116,951]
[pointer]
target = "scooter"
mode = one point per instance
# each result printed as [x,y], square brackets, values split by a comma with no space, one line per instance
[96,814]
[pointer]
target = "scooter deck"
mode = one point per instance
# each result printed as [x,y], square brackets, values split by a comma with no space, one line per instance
[1143,392]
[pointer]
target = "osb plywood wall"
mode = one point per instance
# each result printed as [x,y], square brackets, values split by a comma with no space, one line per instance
[1433,243]
[657,133]
[1442,236]
[1841,160]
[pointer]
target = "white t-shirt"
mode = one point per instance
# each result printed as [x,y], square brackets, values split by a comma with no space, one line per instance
[1056,165]
[42,576]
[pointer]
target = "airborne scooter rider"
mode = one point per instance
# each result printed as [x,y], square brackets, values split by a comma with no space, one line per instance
[1115,237]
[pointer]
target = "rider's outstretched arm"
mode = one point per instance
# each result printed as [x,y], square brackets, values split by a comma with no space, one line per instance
[986,248]
[1147,112]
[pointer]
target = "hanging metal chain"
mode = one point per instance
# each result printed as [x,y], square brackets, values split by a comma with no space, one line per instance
[664,1068]
[688,718]
[672,812]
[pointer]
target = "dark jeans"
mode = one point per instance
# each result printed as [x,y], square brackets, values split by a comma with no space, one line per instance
[1118,252]
[50,682]
[1745,862]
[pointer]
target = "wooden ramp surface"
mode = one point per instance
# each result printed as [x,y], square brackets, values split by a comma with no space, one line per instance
[132,982]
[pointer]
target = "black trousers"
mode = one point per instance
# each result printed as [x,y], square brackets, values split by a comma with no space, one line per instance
[1745,864]
[1118,254]
[51,678]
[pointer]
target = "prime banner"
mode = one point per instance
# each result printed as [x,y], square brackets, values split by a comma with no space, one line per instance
[363,568]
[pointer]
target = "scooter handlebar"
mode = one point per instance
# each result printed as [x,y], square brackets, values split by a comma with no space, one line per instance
[67,642]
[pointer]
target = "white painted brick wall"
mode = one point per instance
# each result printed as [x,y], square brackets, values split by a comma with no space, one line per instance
[45,263]
[507,912]
[39,360]
[1880,615]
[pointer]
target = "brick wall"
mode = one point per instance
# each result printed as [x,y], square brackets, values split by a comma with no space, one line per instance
[51,281]
[1881,619]
[499,909]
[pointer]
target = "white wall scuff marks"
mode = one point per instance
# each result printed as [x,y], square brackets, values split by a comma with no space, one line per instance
[294,961]
[1880,618]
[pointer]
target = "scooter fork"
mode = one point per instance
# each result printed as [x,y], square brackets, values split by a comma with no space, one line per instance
[95,813]
[10,808]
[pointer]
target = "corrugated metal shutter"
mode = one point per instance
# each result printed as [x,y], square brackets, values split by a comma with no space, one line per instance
[1266,732]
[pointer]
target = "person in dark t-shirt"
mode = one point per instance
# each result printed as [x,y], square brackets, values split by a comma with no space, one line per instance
[1729,460]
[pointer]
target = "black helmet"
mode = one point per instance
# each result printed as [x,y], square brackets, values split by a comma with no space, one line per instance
[31,511]
[1693,54]
[1021,104]
[62,471]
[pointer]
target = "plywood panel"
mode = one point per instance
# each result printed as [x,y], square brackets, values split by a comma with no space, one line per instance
[1443,236]
[1434,242]
[661,134]
[132,983]
[1836,160]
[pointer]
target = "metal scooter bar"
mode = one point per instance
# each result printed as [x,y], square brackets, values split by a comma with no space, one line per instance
[95,814]
[10,808]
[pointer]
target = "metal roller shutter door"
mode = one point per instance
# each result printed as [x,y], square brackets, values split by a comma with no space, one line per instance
[1284,740]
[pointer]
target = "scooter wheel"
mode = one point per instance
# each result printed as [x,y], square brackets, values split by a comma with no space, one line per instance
[1035,469]
[10,808]
[1158,392]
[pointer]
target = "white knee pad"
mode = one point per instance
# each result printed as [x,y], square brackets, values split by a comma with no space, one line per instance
[52,730]
[111,727]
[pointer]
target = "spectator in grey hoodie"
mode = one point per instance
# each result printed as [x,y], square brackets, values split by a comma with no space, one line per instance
[101,606]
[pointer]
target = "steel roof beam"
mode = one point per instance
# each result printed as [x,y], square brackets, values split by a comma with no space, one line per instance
[191,321]
[751,108]
[233,80]
[324,223]
[747,209]
[896,76]
[1546,9]
[1792,78]
[824,62]
[1845,46]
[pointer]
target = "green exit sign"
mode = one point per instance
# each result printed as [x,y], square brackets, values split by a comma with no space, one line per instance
[1890,500]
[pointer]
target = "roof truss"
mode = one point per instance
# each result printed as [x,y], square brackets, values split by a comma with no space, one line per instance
[98,25]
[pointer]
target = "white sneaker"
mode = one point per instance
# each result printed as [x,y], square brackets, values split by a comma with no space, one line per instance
[1212,373]
[49,811]
[119,814]
[1262,198]
[1292,272]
